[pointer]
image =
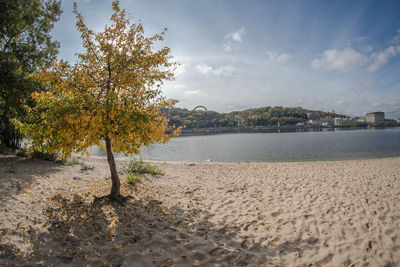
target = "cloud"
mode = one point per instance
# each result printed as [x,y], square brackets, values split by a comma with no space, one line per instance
[349,59]
[236,36]
[339,60]
[381,58]
[227,47]
[232,38]
[205,69]
[195,93]
[357,39]
[368,84]
[179,86]
[376,104]
[181,69]
[276,57]
[362,86]
[397,37]
[366,49]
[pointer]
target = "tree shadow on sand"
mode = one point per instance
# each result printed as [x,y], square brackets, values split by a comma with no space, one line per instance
[142,233]
[19,172]
[17,176]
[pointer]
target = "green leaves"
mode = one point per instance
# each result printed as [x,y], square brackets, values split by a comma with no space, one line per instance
[25,45]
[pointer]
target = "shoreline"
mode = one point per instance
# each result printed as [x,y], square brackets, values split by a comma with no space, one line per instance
[243,162]
[259,162]
[275,129]
[333,213]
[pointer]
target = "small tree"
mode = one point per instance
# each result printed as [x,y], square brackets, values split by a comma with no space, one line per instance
[111,95]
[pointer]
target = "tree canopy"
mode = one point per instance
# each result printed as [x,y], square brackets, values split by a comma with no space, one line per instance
[251,117]
[25,45]
[111,96]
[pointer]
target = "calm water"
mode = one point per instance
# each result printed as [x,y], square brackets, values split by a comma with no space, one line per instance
[295,146]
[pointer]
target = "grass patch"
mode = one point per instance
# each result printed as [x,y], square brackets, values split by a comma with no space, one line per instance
[137,167]
[22,152]
[86,167]
[75,161]
[132,178]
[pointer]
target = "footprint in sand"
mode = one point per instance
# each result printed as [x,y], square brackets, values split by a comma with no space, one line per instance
[275,214]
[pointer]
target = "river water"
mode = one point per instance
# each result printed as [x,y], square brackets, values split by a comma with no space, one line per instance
[288,146]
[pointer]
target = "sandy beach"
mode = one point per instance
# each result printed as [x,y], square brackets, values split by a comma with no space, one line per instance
[340,213]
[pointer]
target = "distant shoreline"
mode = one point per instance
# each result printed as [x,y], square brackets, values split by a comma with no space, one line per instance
[274,129]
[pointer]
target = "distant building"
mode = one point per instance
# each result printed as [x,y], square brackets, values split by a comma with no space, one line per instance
[321,121]
[327,120]
[313,116]
[345,122]
[362,119]
[375,118]
[390,123]
[315,122]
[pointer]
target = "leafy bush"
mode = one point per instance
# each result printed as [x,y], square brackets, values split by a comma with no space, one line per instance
[75,161]
[137,167]
[132,178]
[86,167]
[44,155]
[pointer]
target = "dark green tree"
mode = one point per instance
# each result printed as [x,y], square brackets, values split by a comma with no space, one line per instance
[25,45]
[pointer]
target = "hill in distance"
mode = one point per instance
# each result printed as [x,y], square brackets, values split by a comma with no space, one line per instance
[263,116]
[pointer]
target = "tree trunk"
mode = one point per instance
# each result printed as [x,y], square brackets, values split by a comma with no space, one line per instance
[9,137]
[115,187]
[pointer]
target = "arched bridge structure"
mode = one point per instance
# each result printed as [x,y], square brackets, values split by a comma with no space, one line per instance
[203,107]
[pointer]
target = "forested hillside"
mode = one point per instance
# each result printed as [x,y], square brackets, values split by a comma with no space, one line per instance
[251,117]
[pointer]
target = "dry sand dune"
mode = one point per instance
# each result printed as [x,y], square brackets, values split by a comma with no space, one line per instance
[339,213]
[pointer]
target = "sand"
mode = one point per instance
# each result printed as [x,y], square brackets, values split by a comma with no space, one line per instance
[342,213]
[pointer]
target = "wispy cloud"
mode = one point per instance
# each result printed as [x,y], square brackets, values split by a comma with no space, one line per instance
[276,57]
[397,37]
[349,59]
[367,84]
[195,93]
[236,36]
[227,47]
[362,86]
[181,69]
[340,60]
[357,39]
[205,69]
[232,38]
[381,58]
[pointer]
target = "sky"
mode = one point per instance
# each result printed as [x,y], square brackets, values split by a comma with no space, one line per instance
[235,55]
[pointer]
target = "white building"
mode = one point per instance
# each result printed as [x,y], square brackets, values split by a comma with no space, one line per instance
[375,118]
